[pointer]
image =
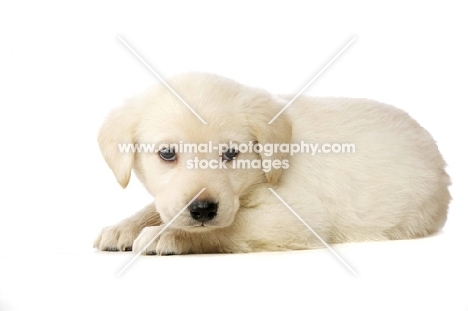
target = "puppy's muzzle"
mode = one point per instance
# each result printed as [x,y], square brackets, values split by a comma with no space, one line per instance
[203,210]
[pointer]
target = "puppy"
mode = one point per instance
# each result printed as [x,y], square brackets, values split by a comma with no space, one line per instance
[392,185]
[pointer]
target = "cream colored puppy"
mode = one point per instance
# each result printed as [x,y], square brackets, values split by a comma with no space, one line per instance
[392,185]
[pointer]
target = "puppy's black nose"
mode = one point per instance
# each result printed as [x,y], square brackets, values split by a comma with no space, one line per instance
[203,210]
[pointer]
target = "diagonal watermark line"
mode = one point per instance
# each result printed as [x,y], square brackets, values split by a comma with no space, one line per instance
[161,79]
[313,79]
[160,232]
[315,233]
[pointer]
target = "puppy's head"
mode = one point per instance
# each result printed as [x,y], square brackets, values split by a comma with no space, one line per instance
[176,156]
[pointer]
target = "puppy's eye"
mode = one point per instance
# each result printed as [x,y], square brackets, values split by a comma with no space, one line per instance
[230,154]
[167,154]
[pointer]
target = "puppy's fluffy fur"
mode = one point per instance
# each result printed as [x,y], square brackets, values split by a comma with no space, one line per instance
[393,187]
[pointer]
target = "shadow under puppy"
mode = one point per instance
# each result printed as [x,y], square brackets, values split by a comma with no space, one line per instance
[393,186]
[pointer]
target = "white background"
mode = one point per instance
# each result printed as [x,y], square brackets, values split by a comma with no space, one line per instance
[62,68]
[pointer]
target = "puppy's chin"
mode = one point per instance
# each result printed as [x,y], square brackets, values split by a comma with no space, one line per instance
[195,226]
[191,225]
[200,228]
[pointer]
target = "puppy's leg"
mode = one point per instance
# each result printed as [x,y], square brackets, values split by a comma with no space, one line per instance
[170,242]
[265,227]
[269,228]
[120,237]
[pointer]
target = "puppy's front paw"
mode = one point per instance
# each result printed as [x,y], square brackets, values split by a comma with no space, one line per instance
[170,242]
[117,238]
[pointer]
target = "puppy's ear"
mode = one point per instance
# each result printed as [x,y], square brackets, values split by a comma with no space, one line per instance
[119,128]
[260,112]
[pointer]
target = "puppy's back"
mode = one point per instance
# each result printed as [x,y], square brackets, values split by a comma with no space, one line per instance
[393,185]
